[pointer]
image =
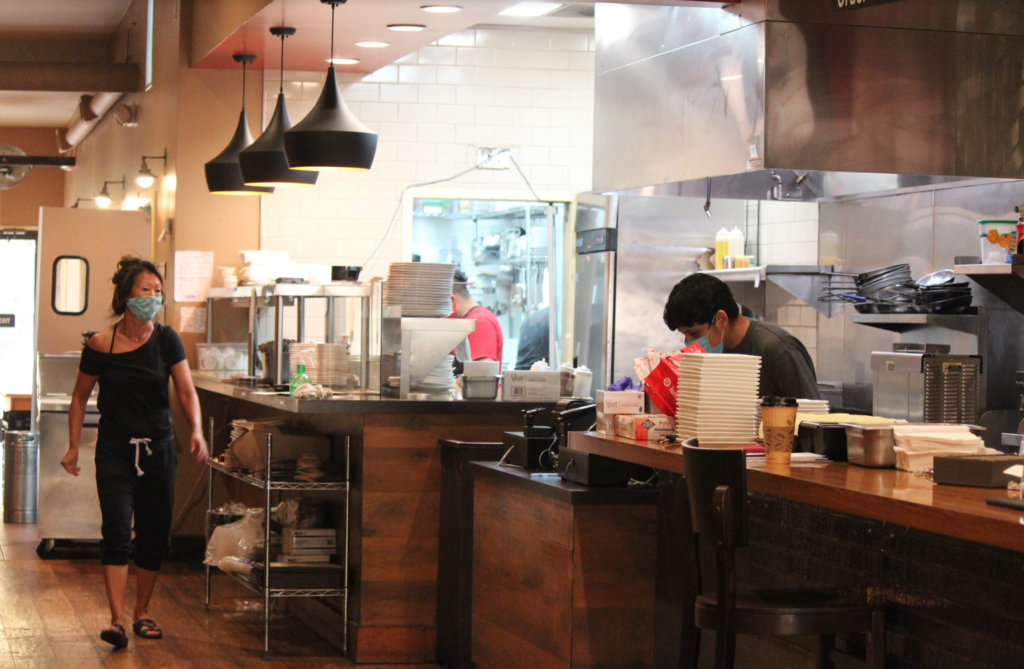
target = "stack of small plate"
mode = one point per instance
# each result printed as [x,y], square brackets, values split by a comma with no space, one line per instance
[813,406]
[717,401]
[424,290]
[326,364]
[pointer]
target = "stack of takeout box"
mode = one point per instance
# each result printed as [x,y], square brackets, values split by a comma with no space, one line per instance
[308,546]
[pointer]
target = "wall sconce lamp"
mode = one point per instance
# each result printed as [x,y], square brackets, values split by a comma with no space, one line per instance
[146,178]
[80,200]
[103,199]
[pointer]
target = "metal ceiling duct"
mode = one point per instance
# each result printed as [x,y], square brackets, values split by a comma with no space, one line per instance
[91,110]
[794,100]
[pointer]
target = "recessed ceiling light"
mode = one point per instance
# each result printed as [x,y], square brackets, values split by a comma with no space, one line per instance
[531,9]
[407,27]
[441,9]
[343,61]
[373,45]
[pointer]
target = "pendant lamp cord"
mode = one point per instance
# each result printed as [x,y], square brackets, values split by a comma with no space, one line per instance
[282,63]
[243,84]
[334,6]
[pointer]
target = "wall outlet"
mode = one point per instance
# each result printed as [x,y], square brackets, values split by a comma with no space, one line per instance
[493,158]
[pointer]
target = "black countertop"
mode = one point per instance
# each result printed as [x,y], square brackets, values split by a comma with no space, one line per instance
[548,484]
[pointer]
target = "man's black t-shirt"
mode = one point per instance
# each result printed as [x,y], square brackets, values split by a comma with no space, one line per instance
[786,367]
[134,401]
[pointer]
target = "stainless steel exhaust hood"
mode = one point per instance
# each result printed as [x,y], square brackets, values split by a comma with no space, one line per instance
[788,99]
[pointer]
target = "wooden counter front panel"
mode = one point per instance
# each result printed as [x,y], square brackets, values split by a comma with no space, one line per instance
[557,585]
[395,500]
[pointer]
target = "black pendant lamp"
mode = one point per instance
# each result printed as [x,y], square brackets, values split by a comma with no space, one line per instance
[263,162]
[330,137]
[223,173]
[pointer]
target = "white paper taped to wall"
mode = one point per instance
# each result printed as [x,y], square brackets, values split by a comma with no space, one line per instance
[193,275]
[193,319]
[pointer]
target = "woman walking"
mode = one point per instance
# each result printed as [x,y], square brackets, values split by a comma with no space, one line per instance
[135,454]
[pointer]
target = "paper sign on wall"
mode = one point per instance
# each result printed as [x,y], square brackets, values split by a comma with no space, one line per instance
[193,319]
[193,275]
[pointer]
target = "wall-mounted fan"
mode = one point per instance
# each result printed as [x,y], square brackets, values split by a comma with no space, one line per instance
[12,175]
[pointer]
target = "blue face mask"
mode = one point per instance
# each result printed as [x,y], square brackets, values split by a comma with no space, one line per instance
[145,308]
[705,343]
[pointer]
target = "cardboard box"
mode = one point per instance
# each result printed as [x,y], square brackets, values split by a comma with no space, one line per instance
[312,551]
[249,449]
[620,401]
[288,558]
[298,539]
[644,427]
[530,386]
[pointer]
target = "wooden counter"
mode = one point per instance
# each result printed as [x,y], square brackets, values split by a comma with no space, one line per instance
[887,495]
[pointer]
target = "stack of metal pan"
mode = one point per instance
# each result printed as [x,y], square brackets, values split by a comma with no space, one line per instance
[892,290]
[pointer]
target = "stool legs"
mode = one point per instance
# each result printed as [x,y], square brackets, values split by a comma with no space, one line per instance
[876,651]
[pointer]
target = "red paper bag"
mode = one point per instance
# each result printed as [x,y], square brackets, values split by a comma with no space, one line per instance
[662,385]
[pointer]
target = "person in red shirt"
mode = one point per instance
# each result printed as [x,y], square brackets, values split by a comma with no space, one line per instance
[486,343]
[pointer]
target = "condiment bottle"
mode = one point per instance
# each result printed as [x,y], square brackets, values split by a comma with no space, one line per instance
[736,243]
[721,248]
[582,382]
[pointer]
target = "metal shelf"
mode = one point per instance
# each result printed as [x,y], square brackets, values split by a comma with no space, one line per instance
[803,282]
[1006,282]
[277,485]
[238,293]
[247,581]
[906,322]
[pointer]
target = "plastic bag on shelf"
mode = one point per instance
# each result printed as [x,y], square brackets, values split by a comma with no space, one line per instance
[303,513]
[243,538]
[235,564]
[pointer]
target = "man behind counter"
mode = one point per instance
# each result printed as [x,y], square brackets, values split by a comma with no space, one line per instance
[703,306]
[487,342]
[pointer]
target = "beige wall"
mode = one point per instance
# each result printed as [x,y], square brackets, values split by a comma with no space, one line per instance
[44,187]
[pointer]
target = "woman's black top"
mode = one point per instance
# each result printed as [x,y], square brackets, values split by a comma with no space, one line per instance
[134,401]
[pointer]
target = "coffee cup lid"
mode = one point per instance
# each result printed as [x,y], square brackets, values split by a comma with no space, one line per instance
[779,402]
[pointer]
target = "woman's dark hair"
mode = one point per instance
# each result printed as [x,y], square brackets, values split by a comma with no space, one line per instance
[696,299]
[128,269]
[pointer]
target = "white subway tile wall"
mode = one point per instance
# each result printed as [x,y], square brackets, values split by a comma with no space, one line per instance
[789,236]
[531,91]
[528,90]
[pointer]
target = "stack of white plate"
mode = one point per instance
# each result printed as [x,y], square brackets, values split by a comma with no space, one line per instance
[717,401]
[326,364]
[813,406]
[424,290]
[439,380]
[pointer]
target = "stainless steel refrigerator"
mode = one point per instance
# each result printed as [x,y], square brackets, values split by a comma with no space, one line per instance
[69,507]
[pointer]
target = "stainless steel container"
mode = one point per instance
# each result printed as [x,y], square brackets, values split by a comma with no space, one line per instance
[927,388]
[21,476]
[870,445]
[480,387]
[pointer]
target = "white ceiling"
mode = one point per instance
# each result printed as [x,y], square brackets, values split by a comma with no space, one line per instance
[27,109]
[65,17]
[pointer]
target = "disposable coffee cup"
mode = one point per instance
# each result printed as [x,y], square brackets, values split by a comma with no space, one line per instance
[778,415]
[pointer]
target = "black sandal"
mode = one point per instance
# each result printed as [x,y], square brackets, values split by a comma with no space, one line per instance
[147,629]
[115,637]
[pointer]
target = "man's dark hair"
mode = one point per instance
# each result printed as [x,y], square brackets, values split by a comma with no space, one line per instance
[460,284]
[696,299]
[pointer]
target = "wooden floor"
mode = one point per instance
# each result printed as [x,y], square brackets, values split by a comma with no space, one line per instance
[51,613]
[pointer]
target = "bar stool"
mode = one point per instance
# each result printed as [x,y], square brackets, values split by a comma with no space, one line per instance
[717,487]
